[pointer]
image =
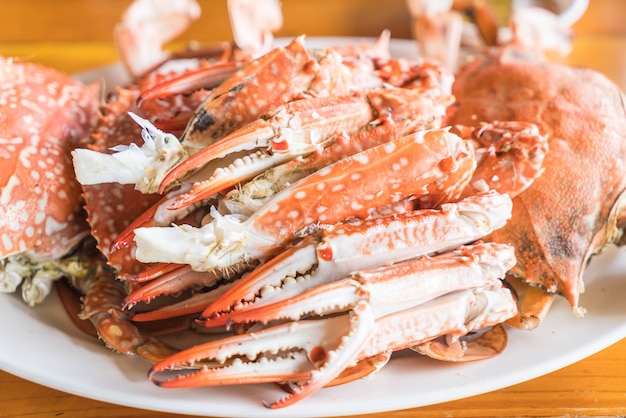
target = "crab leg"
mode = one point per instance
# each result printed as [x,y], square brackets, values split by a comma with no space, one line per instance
[398,112]
[380,319]
[206,77]
[102,306]
[191,305]
[370,179]
[342,249]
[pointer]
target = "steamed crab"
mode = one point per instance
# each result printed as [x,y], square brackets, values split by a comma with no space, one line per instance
[583,115]
[43,116]
[286,263]
[409,190]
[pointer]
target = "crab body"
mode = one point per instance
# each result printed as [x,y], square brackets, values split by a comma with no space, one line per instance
[44,115]
[569,213]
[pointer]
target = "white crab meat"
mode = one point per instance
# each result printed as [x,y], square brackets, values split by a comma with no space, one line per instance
[144,166]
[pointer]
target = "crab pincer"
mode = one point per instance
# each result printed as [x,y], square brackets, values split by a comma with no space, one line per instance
[243,97]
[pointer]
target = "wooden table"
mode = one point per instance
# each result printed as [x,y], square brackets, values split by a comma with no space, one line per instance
[74,35]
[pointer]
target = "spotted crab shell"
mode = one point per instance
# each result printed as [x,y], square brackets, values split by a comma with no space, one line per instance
[578,205]
[43,116]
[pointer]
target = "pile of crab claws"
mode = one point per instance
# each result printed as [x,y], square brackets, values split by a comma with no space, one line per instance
[204,77]
[293,130]
[227,240]
[329,254]
[319,351]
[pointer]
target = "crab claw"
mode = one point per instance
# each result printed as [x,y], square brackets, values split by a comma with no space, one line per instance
[300,127]
[338,250]
[206,287]
[314,352]
[143,166]
[206,77]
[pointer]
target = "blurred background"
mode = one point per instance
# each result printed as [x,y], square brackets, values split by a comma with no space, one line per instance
[61,33]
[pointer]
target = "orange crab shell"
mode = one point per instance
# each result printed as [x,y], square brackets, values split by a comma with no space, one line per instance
[573,210]
[43,116]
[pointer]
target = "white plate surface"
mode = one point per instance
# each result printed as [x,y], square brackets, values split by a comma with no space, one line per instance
[42,345]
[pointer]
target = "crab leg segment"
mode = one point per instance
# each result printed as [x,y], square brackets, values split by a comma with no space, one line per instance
[194,304]
[339,250]
[385,313]
[102,306]
[172,282]
[206,77]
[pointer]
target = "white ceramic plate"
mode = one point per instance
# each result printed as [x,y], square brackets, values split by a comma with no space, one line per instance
[42,345]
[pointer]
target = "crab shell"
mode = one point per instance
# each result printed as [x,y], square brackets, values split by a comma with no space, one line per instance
[578,205]
[43,116]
